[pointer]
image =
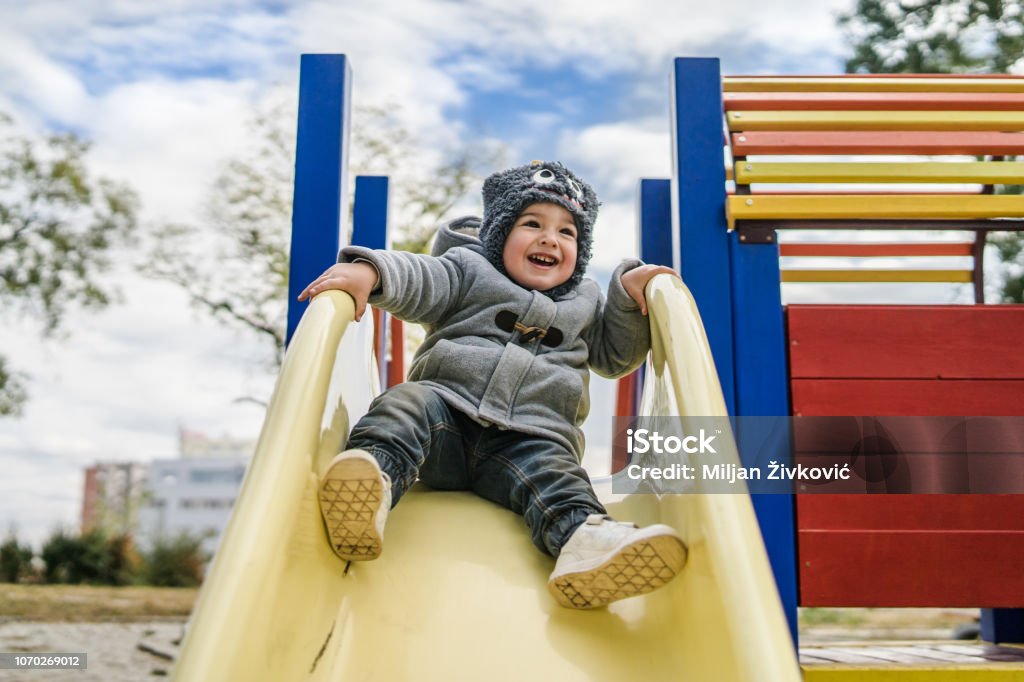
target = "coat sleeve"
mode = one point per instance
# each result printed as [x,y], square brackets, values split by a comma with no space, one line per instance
[412,286]
[620,335]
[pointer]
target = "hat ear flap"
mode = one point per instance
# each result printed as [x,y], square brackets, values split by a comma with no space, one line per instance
[492,188]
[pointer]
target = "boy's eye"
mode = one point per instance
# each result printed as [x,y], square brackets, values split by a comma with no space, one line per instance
[531,223]
[568,231]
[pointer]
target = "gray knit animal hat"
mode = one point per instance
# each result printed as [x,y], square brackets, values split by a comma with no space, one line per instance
[508,192]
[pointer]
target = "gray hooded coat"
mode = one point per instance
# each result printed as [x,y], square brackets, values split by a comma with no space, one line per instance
[479,362]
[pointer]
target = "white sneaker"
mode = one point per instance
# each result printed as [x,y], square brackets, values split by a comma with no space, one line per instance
[604,561]
[355,496]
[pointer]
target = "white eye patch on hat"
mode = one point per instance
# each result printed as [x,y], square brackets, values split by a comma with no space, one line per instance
[546,176]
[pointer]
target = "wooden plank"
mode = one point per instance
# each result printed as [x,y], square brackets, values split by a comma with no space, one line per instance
[911,568]
[876,120]
[895,654]
[908,342]
[982,650]
[810,658]
[872,101]
[1004,225]
[892,84]
[986,172]
[886,207]
[911,512]
[874,142]
[904,276]
[841,672]
[925,654]
[844,655]
[931,191]
[909,396]
[876,249]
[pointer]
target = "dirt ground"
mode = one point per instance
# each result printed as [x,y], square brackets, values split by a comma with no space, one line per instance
[131,633]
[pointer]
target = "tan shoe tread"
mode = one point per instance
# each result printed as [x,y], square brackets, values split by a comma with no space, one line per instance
[638,568]
[350,494]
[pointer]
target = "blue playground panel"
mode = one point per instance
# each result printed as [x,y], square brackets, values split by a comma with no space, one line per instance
[321,167]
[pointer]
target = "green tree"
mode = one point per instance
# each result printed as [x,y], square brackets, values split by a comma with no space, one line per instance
[58,225]
[945,36]
[15,560]
[175,562]
[93,557]
[234,264]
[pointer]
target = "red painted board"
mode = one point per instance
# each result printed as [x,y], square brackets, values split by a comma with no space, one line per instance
[877,76]
[906,342]
[873,101]
[911,568]
[911,512]
[396,361]
[625,406]
[911,397]
[876,142]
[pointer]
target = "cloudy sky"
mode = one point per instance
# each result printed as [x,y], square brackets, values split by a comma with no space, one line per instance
[164,91]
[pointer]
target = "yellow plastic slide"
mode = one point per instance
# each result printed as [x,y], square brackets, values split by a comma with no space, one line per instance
[459,592]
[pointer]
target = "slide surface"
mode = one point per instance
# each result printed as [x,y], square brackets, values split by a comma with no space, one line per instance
[459,592]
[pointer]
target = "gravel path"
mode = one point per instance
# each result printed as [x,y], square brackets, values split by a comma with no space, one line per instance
[113,649]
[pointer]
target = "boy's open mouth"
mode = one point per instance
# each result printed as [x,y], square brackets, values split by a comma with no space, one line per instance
[542,260]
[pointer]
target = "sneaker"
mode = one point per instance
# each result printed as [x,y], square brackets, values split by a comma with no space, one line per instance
[355,496]
[604,561]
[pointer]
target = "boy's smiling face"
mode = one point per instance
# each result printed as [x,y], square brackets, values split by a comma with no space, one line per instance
[540,250]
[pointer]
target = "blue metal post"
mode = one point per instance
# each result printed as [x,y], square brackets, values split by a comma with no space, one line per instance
[698,204]
[321,167]
[370,229]
[762,389]
[753,380]
[370,212]
[655,240]
[656,222]
[1002,626]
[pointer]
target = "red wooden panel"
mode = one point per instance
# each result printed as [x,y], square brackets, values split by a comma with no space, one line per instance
[873,101]
[625,406]
[868,250]
[910,512]
[911,568]
[874,142]
[378,321]
[876,76]
[396,361]
[911,397]
[907,342]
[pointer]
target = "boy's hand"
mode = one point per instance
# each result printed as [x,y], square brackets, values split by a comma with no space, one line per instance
[635,281]
[355,279]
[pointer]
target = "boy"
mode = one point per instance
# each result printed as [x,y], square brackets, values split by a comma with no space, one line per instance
[498,389]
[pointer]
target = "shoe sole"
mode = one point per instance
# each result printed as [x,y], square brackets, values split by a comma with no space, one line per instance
[350,495]
[637,568]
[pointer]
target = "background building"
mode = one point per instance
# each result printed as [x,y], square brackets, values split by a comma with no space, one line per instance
[162,499]
[114,493]
[192,496]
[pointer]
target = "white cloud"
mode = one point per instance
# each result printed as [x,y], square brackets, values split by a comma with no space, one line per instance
[617,155]
[170,138]
[39,83]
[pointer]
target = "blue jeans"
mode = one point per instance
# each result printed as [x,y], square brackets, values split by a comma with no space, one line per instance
[412,432]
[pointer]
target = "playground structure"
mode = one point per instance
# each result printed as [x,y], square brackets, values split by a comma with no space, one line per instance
[466,601]
[860,550]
